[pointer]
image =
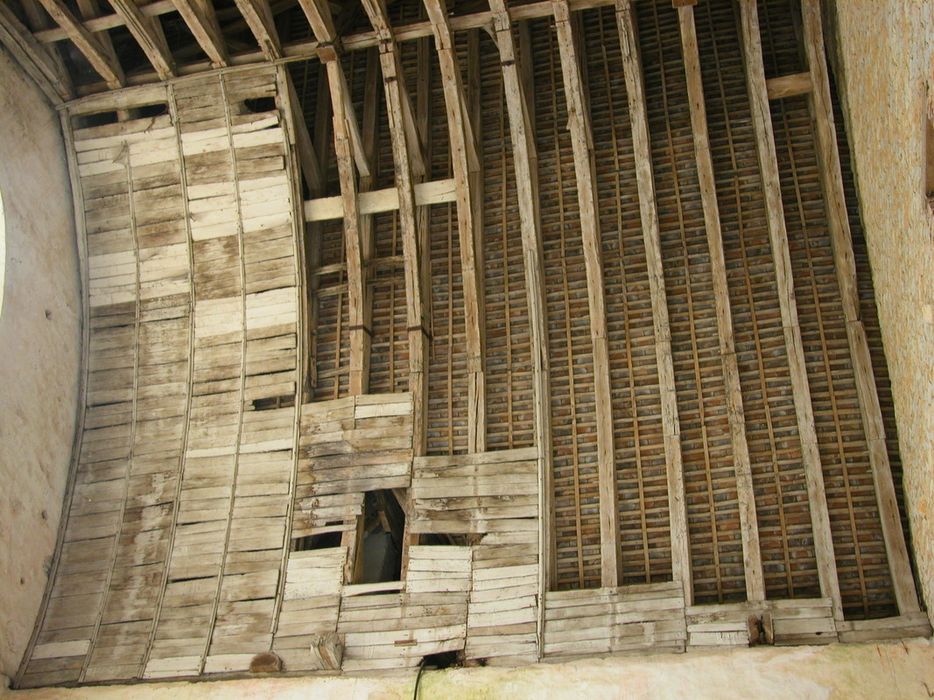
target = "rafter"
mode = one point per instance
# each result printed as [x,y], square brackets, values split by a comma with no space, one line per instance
[841,240]
[307,156]
[201,19]
[525,165]
[106,66]
[258,17]
[408,164]
[465,164]
[671,428]
[148,34]
[582,147]
[745,494]
[794,346]
[34,58]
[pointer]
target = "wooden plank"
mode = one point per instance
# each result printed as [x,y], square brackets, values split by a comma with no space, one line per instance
[525,165]
[788,85]
[201,19]
[148,34]
[845,267]
[404,138]
[582,145]
[48,74]
[379,201]
[778,236]
[258,17]
[465,164]
[752,556]
[87,44]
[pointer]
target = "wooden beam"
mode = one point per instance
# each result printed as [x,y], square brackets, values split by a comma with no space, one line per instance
[671,431]
[465,164]
[525,165]
[788,85]
[148,34]
[48,74]
[582,146]
[106,66]
[259,18]
[307,156]
[841,240]
[794,347]
[406,149]
[201,19]
[745,493]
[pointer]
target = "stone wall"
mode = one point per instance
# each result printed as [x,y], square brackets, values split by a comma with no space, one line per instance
[40,346]
[884,65]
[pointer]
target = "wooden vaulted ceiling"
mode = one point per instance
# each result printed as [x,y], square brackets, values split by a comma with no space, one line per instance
[660,405]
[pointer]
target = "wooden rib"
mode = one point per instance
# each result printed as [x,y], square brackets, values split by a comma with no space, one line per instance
[37,60]
[201,19]
[465,164]
[525,166]
[307,156]
[579,127]
[752,556]
[635,91]
[106,66]
[794,347]
[148,34]
[319,17]
[844,264]
[788,85]
[258,17]
[353,245]
[404,138]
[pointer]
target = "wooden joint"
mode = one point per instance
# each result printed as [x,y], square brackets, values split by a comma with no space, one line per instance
[420,327]
[329,51]
[361,327]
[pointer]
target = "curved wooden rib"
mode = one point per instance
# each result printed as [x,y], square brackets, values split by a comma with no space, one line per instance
[465,164]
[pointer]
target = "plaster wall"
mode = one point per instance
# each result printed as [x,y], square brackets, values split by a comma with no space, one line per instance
[876,671]
[41,345]
[884,59]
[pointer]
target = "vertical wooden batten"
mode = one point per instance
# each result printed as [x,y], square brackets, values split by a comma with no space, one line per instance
[582,145]
[752,556]
[794,347]
[525,165]
[635,90]
[841,241]
[465,164]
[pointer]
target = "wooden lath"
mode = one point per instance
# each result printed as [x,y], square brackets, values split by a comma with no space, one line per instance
[582,145]
[752,556]
[845,267]
[804,412]
[465,164]
[409,164]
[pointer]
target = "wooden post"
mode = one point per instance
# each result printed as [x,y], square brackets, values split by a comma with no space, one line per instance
[525,165]
[841,240]
[752,556]
[635,90]
[465,164]
[768,166]
[579,126]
